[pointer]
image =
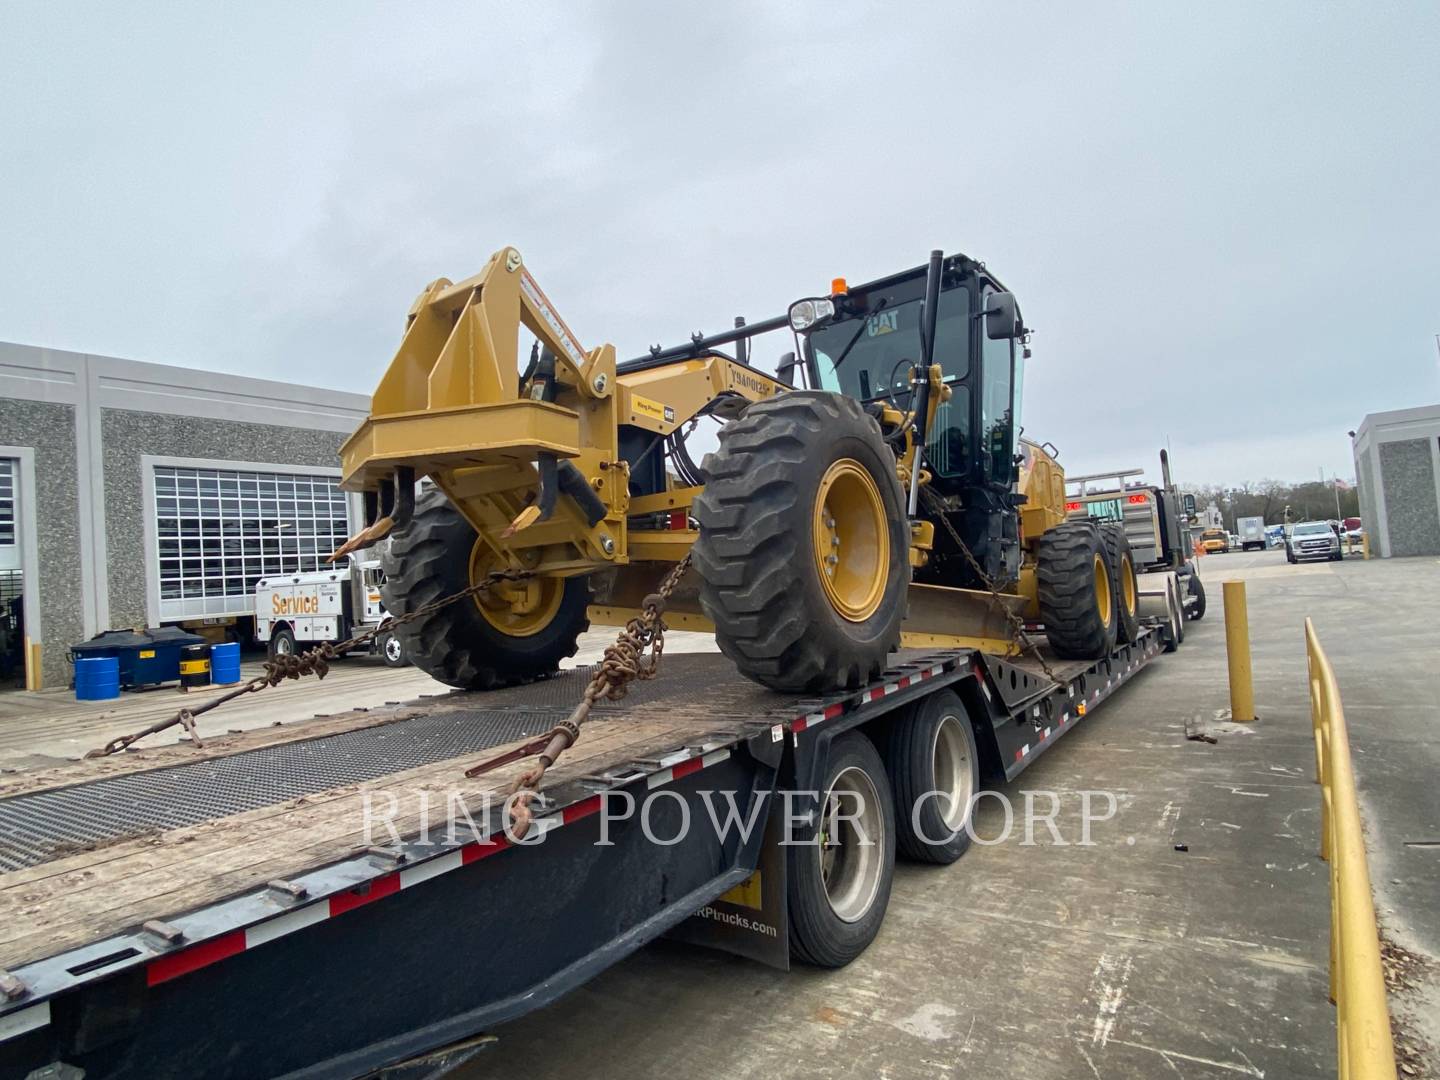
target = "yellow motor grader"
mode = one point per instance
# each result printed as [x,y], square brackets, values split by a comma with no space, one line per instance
[873,492]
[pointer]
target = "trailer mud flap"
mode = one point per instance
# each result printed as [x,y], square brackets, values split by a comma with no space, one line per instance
[751,920]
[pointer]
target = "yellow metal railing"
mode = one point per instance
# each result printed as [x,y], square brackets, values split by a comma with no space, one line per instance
[1357,985]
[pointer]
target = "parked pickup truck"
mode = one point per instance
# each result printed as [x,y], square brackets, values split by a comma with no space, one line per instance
[1313,540]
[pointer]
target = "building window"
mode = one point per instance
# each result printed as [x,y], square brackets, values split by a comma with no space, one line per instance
[218,531]
[7,502]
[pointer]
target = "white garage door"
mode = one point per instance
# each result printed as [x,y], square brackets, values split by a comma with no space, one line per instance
[218,531]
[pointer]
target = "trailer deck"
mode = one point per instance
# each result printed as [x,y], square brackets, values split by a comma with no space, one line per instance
[120,885]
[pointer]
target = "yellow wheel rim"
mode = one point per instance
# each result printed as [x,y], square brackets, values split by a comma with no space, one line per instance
[515,608]
[1103,601]
[851,540]
[1127,585]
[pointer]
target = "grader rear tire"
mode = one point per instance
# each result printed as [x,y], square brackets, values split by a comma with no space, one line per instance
[1077,605]
[800,479]
[465,644]
[1123,584]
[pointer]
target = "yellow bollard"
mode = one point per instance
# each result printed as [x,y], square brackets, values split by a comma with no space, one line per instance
[1237,651]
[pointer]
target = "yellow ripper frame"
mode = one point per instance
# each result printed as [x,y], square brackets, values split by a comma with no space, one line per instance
[449,406]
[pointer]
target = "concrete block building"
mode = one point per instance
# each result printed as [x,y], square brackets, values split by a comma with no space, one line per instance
[1397,465]
[135,494]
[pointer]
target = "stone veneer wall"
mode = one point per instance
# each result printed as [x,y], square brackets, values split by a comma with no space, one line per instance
[127,435]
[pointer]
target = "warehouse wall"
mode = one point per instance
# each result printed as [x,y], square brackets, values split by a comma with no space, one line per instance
[126,435]
[1407,472]
[49,430]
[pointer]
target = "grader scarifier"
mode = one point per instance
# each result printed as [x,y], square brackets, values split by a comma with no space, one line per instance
[885,499]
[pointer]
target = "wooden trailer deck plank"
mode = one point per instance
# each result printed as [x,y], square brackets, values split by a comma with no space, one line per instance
[70,901]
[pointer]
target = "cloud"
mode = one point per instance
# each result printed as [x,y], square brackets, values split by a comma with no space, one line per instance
[1220,220]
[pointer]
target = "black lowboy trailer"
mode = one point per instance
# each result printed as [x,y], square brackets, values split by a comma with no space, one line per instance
[190,920]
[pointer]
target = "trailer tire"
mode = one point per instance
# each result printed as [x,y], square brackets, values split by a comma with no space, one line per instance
[799,479]
[832,925]
[1073,578]
[1123,584]
[931,748]
[392,650]
[459,645]
[282,642]
[1197,590]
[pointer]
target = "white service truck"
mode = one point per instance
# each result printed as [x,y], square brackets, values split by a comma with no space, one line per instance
[294,610]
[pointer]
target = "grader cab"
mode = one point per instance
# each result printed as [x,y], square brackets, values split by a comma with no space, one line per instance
[873,493]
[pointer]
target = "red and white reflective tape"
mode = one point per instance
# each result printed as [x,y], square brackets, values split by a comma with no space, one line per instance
[685,768]
[183,961]
[803,723]
[875,693]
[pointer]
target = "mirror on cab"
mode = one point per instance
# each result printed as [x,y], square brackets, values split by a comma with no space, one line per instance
[1002,316]
[785,369]
[1188,501]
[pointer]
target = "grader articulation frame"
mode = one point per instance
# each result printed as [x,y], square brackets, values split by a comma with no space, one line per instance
[813,554]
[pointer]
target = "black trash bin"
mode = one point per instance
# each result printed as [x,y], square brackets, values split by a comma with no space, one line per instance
[146,656]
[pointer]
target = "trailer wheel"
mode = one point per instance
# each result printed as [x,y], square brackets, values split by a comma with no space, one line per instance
[935,771]
[392,650]
[487,642]
[1197,590]
[1076,605]
[1122,580]
[804,546]
[841,865]
[282,642]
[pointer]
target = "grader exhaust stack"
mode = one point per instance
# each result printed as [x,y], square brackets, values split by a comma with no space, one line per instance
[889,486]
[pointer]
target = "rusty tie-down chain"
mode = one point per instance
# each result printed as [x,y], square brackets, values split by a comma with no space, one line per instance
[624,661]
[1021,639]
[314,661]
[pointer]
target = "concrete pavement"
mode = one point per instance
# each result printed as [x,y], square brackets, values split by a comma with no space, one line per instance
[1190,941]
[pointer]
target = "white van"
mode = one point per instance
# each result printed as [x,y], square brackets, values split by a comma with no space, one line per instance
[293,611]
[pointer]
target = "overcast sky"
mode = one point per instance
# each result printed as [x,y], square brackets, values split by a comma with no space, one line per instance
[1223,220]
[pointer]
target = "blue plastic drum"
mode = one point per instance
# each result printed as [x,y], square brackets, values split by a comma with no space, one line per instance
[97,679]
[225,664]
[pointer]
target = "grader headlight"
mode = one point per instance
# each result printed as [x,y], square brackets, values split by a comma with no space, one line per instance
[807,313]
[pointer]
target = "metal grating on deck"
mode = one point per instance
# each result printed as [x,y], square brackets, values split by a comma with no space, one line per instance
[43,825]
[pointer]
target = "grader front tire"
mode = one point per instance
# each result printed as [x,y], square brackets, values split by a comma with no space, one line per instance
[465,645]
[803,554]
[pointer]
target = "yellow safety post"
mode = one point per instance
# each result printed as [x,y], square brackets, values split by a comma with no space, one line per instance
[1237,650]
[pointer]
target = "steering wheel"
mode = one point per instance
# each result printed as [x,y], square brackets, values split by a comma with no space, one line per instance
[890,382]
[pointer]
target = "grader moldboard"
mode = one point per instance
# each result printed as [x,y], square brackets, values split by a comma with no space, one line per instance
[887,499]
